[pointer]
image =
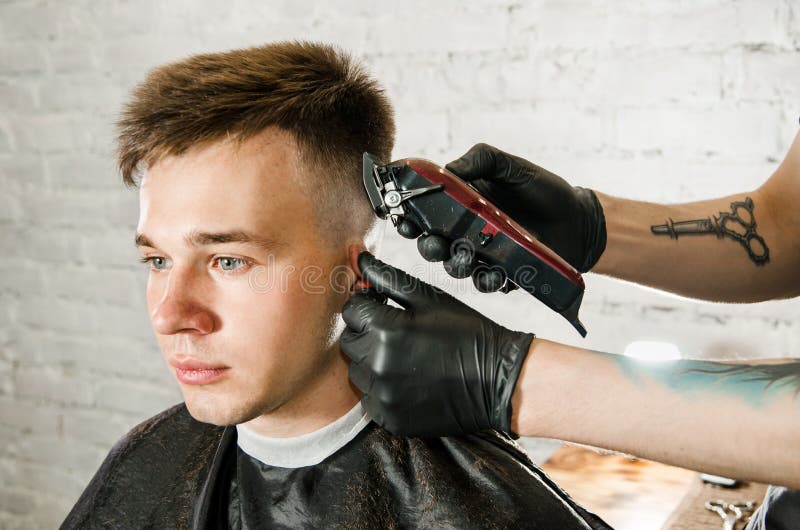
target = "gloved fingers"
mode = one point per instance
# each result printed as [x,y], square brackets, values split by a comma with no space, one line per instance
[488,279]
[433,247]
[374,410]
[394,421]
[462,260]
[356,346]
[480,162]
[408,229]
[362,308]
[508,287]
[361,376]
[408,291]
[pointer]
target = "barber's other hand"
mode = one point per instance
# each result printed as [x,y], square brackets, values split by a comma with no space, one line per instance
[435,367]
[567,219]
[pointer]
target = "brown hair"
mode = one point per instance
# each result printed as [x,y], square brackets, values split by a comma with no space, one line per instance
[317,92]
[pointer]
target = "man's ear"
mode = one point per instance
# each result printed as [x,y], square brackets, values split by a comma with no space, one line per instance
[354,250]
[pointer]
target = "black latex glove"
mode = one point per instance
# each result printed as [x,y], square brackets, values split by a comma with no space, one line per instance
[567,219]
[435,367]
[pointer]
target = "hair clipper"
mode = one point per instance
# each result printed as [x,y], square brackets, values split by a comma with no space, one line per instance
[441,203]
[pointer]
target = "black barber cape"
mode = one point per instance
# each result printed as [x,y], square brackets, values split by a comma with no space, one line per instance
[172,471]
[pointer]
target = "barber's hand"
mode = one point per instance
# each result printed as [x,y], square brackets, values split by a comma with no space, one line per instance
[567,219]
[435,367]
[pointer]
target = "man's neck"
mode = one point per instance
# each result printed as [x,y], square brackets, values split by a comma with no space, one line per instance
[323,401]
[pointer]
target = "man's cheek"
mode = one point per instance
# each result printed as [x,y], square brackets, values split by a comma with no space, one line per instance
[264,317]
[151,292]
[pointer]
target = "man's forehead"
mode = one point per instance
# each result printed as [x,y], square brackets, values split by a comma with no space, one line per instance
[265,158]
[238,187]
[200,238]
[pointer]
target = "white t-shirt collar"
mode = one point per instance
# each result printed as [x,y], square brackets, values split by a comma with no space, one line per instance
[307,449]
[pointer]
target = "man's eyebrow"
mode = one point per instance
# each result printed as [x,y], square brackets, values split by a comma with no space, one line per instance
[142,240]
[198,239]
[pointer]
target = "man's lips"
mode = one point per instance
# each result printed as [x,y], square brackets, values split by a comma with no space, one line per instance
[193,372]
[188,363]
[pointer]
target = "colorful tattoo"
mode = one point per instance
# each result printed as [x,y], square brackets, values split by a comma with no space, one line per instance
[757,384]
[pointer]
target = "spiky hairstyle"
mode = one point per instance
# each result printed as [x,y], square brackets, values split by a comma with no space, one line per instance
[318,93]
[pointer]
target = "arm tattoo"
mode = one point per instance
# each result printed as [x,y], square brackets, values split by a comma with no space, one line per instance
[738,224]
[769,376]
[758,384]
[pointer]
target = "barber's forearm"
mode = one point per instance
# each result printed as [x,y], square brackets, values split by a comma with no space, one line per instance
[675,413]
[700,265]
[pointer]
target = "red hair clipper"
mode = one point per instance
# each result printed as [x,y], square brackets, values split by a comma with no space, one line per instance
[442,204]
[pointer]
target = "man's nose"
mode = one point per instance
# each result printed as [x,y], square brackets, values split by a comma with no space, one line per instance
[178,308]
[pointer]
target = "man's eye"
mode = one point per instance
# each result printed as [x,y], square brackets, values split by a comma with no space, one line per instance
[230,264]
[156,262]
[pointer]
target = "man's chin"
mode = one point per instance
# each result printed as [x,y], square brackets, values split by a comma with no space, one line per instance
[216,410]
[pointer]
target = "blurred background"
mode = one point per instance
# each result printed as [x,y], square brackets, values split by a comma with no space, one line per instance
[665,101]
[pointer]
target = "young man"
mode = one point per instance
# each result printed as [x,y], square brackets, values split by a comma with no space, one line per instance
[251,215]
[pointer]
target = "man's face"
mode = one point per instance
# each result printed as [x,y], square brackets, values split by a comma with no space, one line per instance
[244,326]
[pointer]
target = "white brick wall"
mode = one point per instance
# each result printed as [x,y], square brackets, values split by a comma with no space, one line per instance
[662,100]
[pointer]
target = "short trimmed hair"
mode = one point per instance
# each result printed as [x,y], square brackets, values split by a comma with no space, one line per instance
[318,93]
